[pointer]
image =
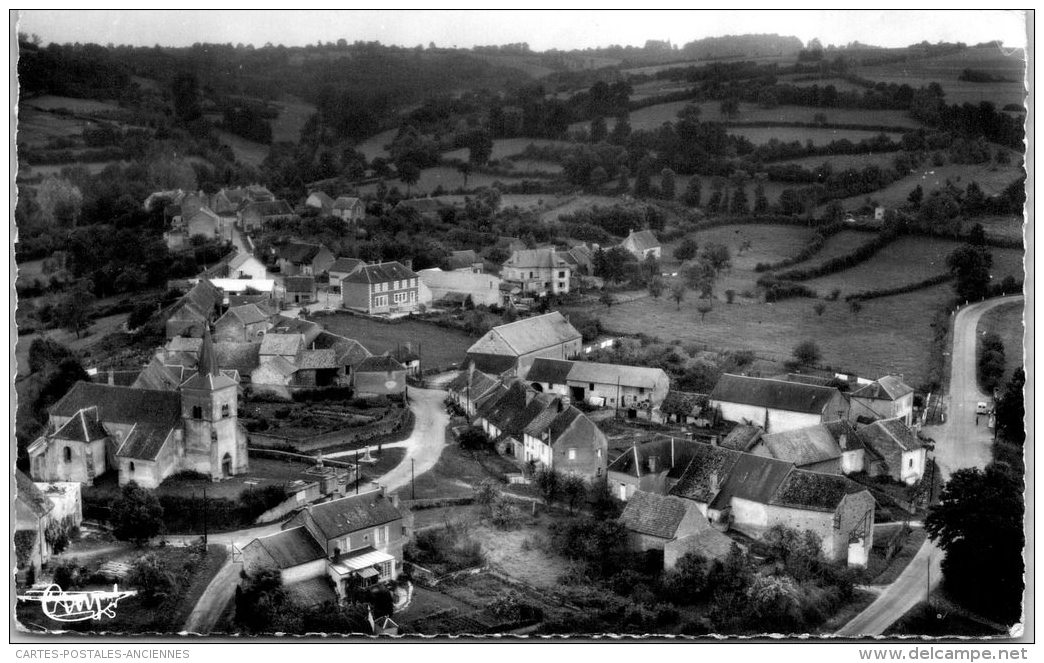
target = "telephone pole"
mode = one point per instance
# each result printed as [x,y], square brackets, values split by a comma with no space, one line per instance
[204,517]
[413,479]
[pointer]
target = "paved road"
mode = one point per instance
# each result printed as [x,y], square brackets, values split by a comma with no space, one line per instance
[423,447]
[959,443]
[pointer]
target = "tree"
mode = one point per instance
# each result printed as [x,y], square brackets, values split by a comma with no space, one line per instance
[574,490]
[606,298]
[549,483]
[686,250]
[73,310]
[730,108]
[612,264]
[60,202]
[687,582]
[979,516]
[656,286]
[699,275]
[599,177]
[474,439]
[642,182]
[153,579]
[970,266]
[807,353]
[678,293]
[693,192]
[599,130]
[704,306]
[761,204]
[834,211]
[480,147]
[991,361]
[667,184]
[409,174]
[136,515]
[916,195]
[1010,412]
[730,296]
[819,307]
[260,600]
[465,170]
[717,255]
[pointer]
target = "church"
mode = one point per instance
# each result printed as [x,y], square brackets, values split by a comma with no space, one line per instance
[145,435]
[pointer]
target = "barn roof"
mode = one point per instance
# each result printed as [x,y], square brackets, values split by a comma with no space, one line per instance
[772,394]
[655,515]
[527,335]
[31,496]
[643,240]
[888,388]
[814,491]
[553,371]
[289,548]
[381,273]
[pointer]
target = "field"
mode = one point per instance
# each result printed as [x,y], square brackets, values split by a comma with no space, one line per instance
[51,102]
[841,162]
[991,177]
[292,117]
[36,127]
[1007,63]
[835,246]
[909,260]
[575,205]
[840,84]
[657,87]
[505,147]
[374,146]
[246,151]
[818,136]
[92,167]
[450,179]
[1006,321]
[769,243]
[438,346]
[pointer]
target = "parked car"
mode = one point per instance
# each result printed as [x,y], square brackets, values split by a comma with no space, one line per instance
[982,408]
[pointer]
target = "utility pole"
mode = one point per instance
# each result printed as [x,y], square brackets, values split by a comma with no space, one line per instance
[413,479]
[204,517]
[356,471]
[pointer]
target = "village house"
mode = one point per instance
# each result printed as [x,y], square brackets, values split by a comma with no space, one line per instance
[320,202]
[151,433]
[468,261]
[885,398]
[834,448]
[285,345]
[904,456]
[198,307]
[654,466]
[537,272]
[309,330]
[382,288]
[457,286]
[379,376]
[514,346]
[300,259]
[255,215]
[341,268]
[580,259]
[349,208]
[683,406]
[601,385]
[642,244]
[33,514]
[244,324]
[542,429]
[427,209]
[468,387]
[776,405]
[351,541]
[246,266]
[300,290]
[672,525]
[753,493]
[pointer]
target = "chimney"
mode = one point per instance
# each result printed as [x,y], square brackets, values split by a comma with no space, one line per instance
[843,442]
[714,483]
[654,462]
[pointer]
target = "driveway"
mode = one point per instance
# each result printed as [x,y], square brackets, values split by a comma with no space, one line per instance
[423,448]
[959,443]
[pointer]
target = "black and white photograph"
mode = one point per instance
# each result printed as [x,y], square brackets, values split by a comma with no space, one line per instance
[521,326]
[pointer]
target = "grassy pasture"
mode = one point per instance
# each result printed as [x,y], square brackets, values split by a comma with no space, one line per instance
[246,151]
[1006,321]
[576,204]
[439,346]
[446,177]
[374,146]
[657,87]
[837,245]
[36,127]
[292,117]
[841,162]
[818,136]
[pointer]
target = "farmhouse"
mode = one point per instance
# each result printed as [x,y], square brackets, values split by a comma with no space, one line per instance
[196,308]
[885,398]
[834,448]
[299,259]
[341,268]
[537,272]
[673,525]
[246,266]
[349,209]
[609,385]
[653,466]
[379,376]
[243,324]
[642,244]
[776,405]
[469,387]
[319,201]
[150,434]
[382,288]
[484,289]
[903,454]
[514,346]
[351,540]
[254,215]
[300,289]
[752,493]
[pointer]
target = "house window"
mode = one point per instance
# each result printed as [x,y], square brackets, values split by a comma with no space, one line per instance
[598,453]
[381,300]
[641,390]
[67,454]
[224,410]
[197,412]
[590,386]
[413,296]
[911,463]
[213,436]
[130,467]
[531,275]
[561,285]
[561,275]
[572,454]
[395,285]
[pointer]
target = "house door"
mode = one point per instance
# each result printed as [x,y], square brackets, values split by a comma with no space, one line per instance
[577,393]
[226,465]
[623,492]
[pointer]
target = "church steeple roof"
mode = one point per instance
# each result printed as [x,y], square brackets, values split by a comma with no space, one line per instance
[207,364]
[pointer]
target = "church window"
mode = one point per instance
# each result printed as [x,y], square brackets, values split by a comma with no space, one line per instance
[67,453]
[224,410]
[213,436]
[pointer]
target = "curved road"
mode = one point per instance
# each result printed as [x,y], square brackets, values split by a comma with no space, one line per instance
[959,443]
[423,448]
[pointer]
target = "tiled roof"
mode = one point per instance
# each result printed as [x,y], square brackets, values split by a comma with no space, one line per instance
[284,325]
[84,427]
[325,201]
[298,252]
[349,352]
[291,547]
[553,371]
[563,421]
[281,344]
[345,265]
[682,403]
[738,474]
[317,359]
[184,344]
[280,365]
[772,394]
[350,514]
[535,258]
[345,202]
[709,542]
[643,240]
[269,208]
[655,515]
[122,405]
[887,433]
[539,414]
[31,496]
[853,440]
[888,388]
[379,364]
[381,273]
[527,335]
[144,442]
[803,446]
[300,284]
[742,438]
[241,357]
[494,364]
[672,455]
[248,314]
[239,260]
[627,376]
[814,491]
[158,375]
